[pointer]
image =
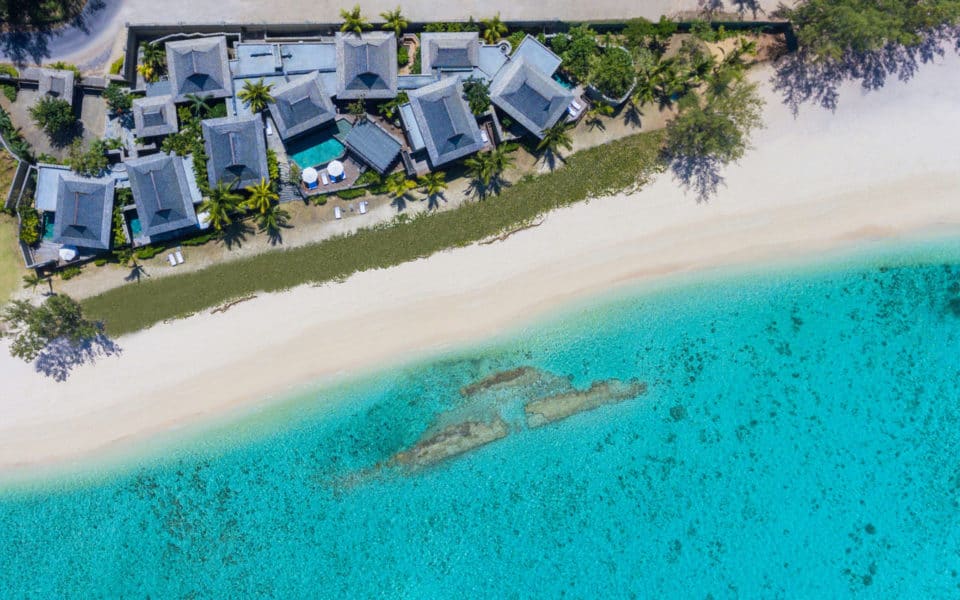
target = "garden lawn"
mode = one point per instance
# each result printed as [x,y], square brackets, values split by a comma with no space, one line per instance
[11,269]
[597,171]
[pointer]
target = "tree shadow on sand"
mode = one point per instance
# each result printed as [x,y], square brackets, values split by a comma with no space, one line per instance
[801,78]
[697,174]
[62,356]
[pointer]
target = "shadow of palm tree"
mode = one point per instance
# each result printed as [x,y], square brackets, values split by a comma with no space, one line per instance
[136,273]
[236,234]
[432,201]
[632,115]
[400,203]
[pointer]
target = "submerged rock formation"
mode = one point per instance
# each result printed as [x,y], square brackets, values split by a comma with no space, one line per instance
[560,406]
[518,377]
[451,441]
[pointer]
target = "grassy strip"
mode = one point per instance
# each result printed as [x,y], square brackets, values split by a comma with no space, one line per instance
[594,172]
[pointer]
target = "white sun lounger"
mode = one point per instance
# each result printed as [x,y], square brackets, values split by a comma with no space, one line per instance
[576,106]
[171,260]
[179,256]
[324,178]
[269,128]
[363,207]
[484,136]
[336,212]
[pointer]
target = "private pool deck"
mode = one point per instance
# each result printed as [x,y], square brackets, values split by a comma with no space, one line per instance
[319,147]
[351,171]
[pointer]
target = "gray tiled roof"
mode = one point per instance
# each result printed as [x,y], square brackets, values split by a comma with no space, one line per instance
[366,65]
[56,83]
[301,105]
[373,145]
[199,66]
[537,55]
[448,127]
[236,150]
[535,100]
[453,51]
[155,115]
[84,215]
[161,192]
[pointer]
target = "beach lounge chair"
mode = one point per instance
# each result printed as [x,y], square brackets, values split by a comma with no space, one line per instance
[179,256]
[171,260]
[336,212]
[576,106]
[484,136]
[269,128]
[363,207]
[324,178]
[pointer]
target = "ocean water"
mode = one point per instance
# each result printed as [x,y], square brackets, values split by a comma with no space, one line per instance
[799,439]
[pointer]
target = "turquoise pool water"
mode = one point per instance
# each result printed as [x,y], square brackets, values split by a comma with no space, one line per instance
[317,148]
[135,227]
[563,82]
[799,439]
[49,225]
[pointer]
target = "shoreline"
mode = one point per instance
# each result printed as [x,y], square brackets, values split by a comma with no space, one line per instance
[884,167]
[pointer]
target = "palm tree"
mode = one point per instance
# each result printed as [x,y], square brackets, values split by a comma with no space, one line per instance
[500,161]
[493,29]
[272,221]
[398,186]
[555,138]
[220,206]
[486,169]
[261,197]
[154,56]
[198,105]
[596,111]
[31,281]
[257,95]
[395,21]
[353,21]
[433,183]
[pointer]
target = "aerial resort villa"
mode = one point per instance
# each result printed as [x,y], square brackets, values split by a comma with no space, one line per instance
[317,126]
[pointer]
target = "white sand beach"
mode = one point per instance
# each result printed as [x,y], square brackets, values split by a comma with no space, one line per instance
[886,164]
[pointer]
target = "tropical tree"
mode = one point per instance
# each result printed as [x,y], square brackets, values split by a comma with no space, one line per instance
[397,185]
[256,94]
[261,197]
[486,169]
[119,100]
[90,161]
[393,20]
[53,115]
[272,221]
[391,108]
[198,105]
[353,20]
[358,109]
[220,205]
[493,29]
[31,281]
[554,139]
[35,328]
[596,113]
[433,183]
[154,61]
[477,93]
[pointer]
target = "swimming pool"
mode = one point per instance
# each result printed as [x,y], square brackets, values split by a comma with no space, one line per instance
[319,147]
[49,223]
[563,82]
[135,227]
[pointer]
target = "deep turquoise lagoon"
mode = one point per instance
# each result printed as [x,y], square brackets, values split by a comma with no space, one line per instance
[799,439]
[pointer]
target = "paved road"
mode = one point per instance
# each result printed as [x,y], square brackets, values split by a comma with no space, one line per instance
[91,42]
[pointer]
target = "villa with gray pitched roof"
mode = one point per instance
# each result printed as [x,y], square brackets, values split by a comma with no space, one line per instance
[443,121]
[531,97]
[56,83]
[236,150]
[154,116]
[442,52]
[199,66]
[366,66]
[301,105]
[84,214]
[164,195]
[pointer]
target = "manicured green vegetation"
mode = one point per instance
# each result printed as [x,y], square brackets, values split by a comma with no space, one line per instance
[118,100]
[11,265]
[116,66]
[29,225]
[351,194]
[477,93]
[9,89]
[19,145]
[69,272]
[53,115]
[606,169]
[90,161]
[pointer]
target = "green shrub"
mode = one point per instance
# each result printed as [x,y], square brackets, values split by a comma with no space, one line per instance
[273,166]
[613,73]
[53,115]
[217,111]
[65,66]
[417,61]
[9,70]
[90,161]
[352,194]
[403,56]
[10,91]
[319,200]
[118,100]
[29,225]
[369,177]
[198,240]
[116,66]
[100,262]
[69,272]
[515,38]
[147,252]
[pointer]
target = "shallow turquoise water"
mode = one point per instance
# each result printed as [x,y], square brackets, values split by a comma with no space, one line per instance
[799,440]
